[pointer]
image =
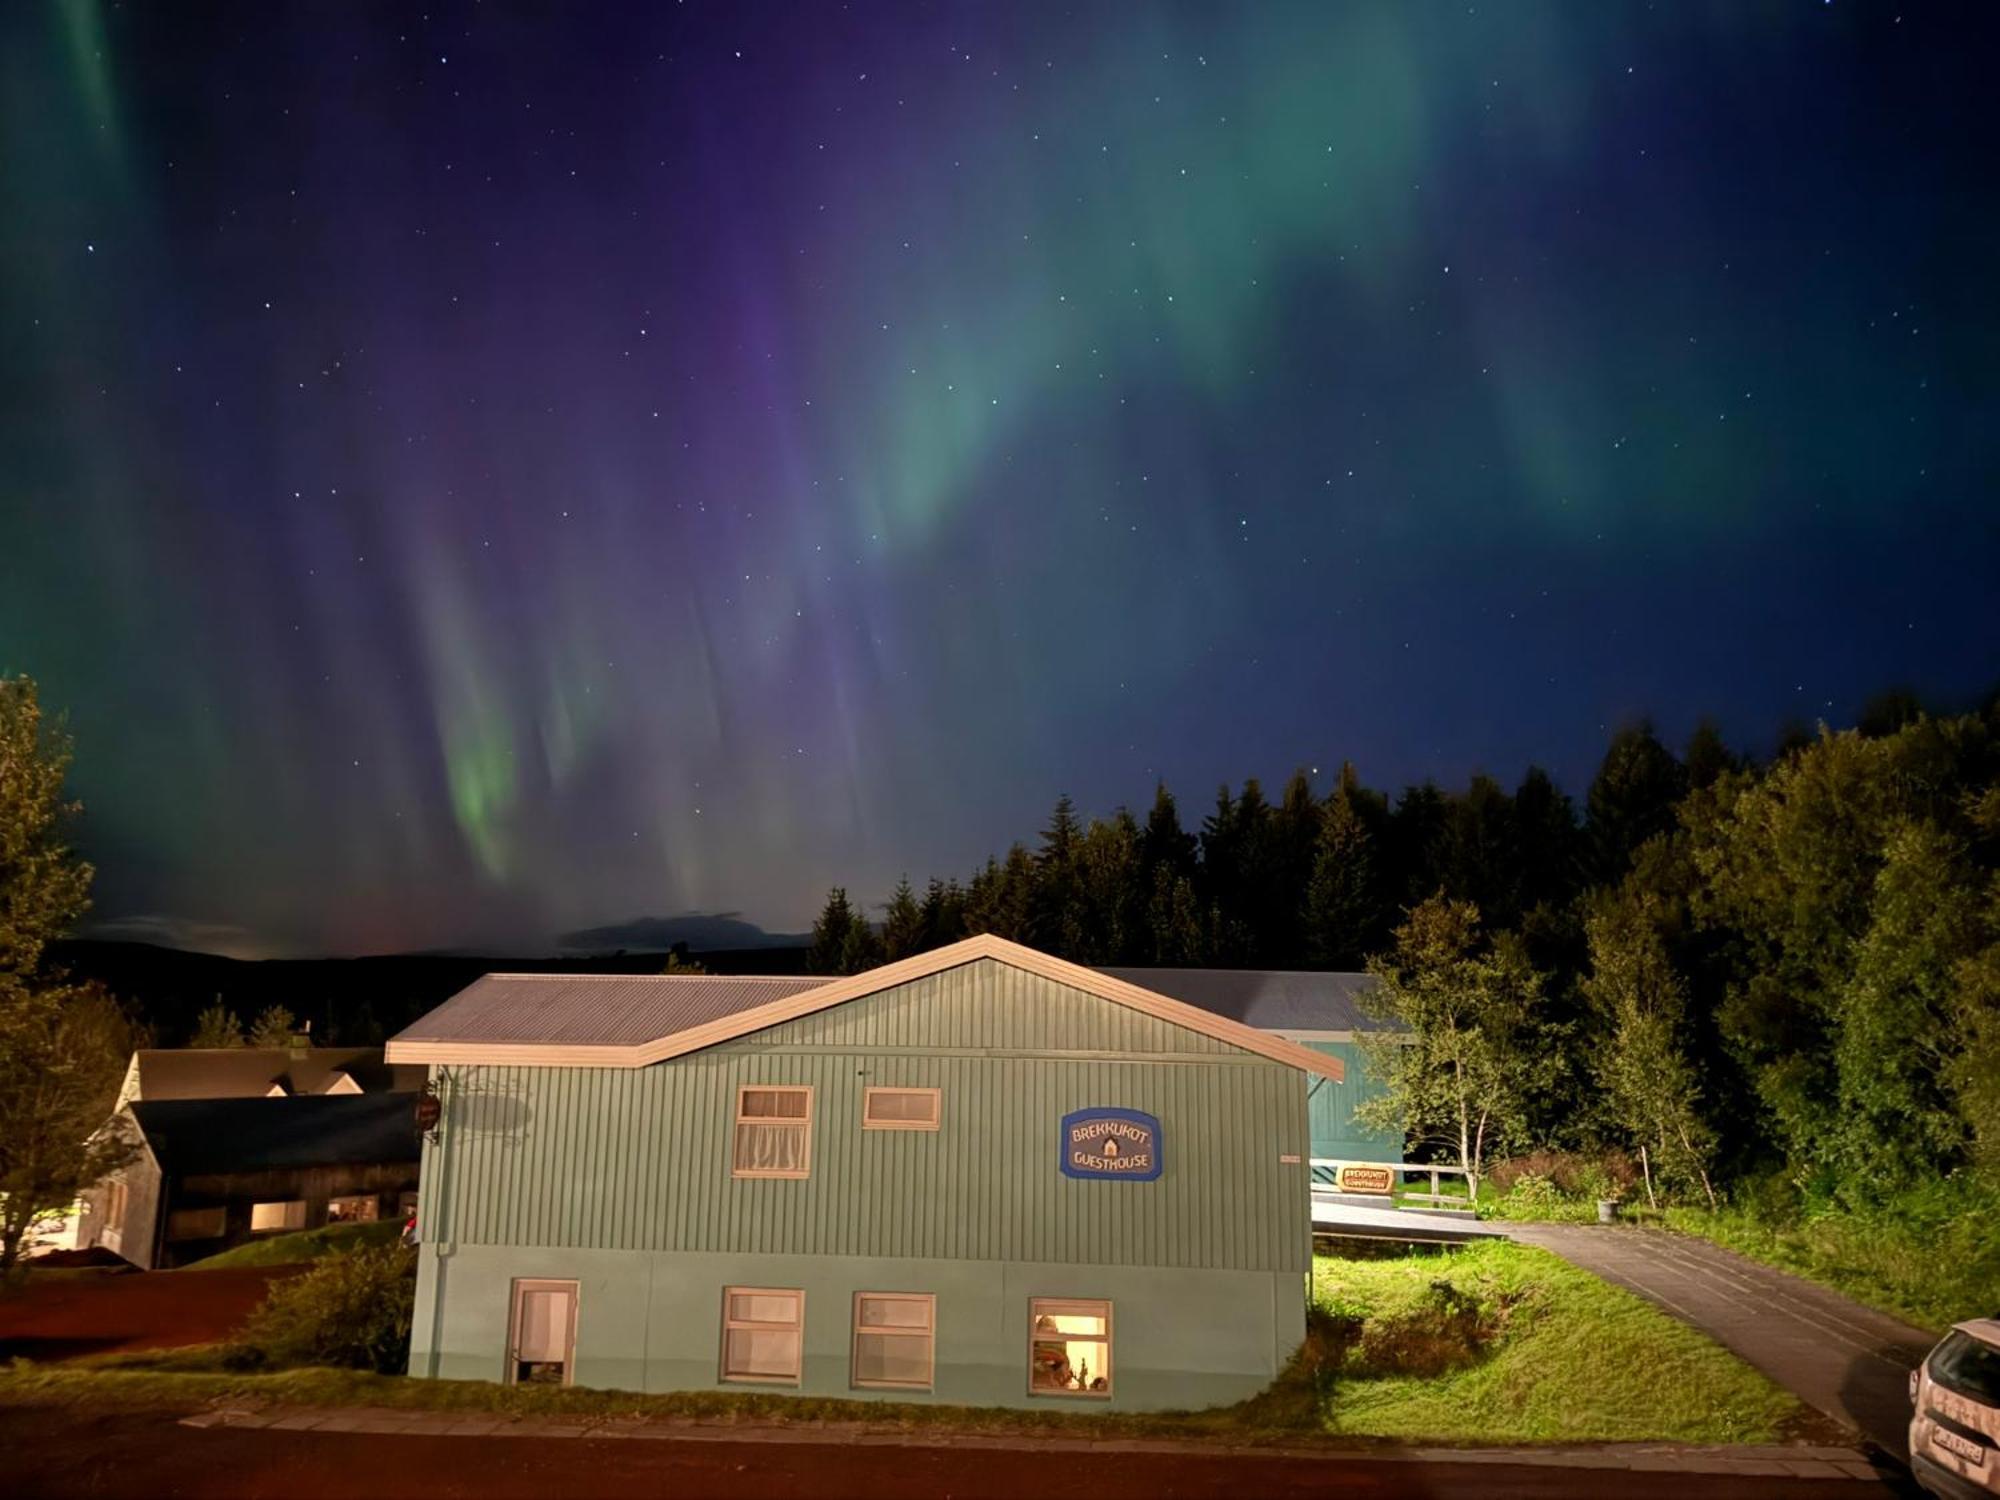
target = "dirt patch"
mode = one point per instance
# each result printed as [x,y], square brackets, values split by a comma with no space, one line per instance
[96,1258]
[67,1316]
[82,1455]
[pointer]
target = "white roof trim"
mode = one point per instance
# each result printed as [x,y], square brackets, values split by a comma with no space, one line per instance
[1309,1035]
[840,991]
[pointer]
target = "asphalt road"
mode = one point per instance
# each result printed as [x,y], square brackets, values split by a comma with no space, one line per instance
[79,1455]
[1841,1358]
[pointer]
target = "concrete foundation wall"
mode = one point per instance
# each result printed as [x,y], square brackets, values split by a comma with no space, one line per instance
[651,1321]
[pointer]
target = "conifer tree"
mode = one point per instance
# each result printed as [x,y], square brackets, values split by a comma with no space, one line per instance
[275,1027]
[1285,870]
[1546,836]
[941,918]
[829,934]
[1176,933]
[862,949]
[1481,852]
[1631,799]
[1055,910]
[217,1026]
[1111,925]
[1344,909]
[1415,845]
[902,924]
[1707,757]
[1165,844]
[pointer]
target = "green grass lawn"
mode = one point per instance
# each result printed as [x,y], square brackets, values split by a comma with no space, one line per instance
[1548,1354]
[307,1244]
[1570,1359]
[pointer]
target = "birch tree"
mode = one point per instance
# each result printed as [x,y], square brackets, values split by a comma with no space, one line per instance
[1460,1054]
[62,1046]
[1650,1086]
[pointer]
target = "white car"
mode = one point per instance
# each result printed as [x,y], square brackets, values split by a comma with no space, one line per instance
[1955,1429]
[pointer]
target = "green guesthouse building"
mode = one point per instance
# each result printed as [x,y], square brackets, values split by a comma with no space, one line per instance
[981,1175]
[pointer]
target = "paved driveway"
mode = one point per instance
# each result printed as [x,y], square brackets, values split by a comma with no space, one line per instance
[1841,1358]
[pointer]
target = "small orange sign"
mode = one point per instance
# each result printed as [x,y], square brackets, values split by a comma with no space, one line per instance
[1365,1180]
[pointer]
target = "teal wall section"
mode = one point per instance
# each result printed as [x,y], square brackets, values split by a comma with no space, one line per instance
[651,1322]
[619,1178]
[1332,1106]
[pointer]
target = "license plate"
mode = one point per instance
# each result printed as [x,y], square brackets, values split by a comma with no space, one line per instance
[1965,1448]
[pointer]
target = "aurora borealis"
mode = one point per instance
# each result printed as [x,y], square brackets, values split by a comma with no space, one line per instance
[478,472]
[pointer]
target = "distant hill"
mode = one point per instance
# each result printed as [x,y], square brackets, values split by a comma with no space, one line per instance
[358,1001]
[695,930]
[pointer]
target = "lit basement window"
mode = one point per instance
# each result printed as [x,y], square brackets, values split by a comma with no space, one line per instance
[1069,1348]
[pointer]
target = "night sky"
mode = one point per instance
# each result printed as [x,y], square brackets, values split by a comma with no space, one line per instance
[474,472]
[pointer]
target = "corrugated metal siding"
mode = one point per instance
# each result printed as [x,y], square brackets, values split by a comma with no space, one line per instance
[1334,1131]
[639,1158]
[990,1007]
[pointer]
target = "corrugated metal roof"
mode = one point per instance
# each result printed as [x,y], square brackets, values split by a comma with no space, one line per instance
[624,1010]
[1281,1000]
[251,1072]
[611,1010]
[256,1135]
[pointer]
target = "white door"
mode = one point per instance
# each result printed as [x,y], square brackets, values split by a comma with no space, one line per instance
[542,1340]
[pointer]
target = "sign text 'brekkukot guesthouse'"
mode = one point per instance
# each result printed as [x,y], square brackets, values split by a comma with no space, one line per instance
[1123,1143]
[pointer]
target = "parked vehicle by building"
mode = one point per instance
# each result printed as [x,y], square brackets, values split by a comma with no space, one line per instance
[1955,1427]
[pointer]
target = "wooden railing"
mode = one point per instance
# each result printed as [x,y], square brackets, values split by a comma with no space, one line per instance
[1326,1173]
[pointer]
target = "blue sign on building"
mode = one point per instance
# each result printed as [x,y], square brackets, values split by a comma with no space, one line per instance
[1111,1143]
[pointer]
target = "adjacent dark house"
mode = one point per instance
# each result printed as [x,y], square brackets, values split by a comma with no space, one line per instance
[289,1140]
[262,1072]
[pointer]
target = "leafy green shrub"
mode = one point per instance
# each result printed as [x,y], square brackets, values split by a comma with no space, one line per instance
[1448,1330]
[1604,1174]
[350,1310]
[1535,1194]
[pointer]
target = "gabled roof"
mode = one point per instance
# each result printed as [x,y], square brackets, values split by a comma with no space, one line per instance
[538,1026]
[188,1136]
[1291,1002]
[252,1072]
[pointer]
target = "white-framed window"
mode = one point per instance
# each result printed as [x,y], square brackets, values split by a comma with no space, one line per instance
[901,1109]
[763,1334]
[541,1333]
[773,1131]
[895,1339]
[197,1223]
[360,1208]
[1069,1347]
[115,1202]
[270,1218]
